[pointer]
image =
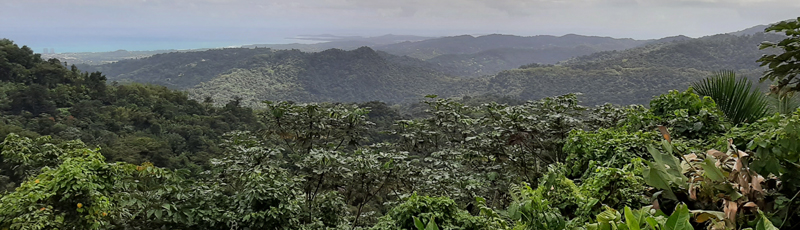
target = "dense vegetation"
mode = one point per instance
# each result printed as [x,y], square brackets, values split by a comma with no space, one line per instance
[81,154]
[633,76]
[620,77]
[711,53]
[467,44]
[133,123]
[491,62]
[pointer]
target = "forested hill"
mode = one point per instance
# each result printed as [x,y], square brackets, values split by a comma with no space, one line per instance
[332,75]
[182,70]
[265,74]
[469,56]
[464,56]
[623,77]
[717,52]
[493,61]
[131,122]
[467,44]
[168,162]
[634,76]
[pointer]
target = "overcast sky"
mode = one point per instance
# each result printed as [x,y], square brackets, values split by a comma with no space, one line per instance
[96,25]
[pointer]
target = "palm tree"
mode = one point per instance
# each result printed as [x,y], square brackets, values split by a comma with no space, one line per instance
[738,99]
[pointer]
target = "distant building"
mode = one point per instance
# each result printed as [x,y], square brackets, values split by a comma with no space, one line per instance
[45,51]
[52,51]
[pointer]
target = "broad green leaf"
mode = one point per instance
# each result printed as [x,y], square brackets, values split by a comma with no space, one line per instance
[653,223]
[432,225]
[631,220]
[711,170]
[664,171]
[764,223]
[658,179]
[418,223]
[679,220]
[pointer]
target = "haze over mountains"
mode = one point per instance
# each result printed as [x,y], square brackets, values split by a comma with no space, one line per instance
[605,70]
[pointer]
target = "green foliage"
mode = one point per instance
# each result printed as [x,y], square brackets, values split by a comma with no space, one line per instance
[78,190]
[493,61]
[599,85]
[783,67]
[466,44]
[326,166]
[253,193]
[706,180]
[710,53]
[530,211]
[559,201]
[738,100]
[689,115]
[775,141]
[255,75]
[133,123]
[27,157]
[626,77]
[643,219]
[785,104]
[302,127]
[440,212]
[616,187]
[664,172]
[605,147]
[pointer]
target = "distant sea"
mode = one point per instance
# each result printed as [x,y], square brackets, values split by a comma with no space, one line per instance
[105,45]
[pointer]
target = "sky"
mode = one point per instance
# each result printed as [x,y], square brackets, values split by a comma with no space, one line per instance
[107,25]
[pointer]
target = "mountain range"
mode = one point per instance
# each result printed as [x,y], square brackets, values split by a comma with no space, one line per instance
[620,71]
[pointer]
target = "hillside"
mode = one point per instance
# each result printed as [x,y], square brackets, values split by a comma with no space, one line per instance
[467,44]
[622,77]
[331,75]
[328,41]
[464,56]
[597,86]
[180,70]
[634,76]
[78,153]
[750,31]
[493,61]
[134,123]
[711,53]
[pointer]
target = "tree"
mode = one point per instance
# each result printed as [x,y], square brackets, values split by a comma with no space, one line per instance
[783,67]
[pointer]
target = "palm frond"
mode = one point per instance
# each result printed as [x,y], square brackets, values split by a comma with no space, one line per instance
[737,99]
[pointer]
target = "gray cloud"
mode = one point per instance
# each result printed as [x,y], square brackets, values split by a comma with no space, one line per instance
[263,20]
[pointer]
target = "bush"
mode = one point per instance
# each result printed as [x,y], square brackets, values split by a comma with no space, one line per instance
[688,115]
[444,211]
[605,147]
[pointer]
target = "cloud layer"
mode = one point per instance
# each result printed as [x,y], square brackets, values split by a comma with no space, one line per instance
[252,20]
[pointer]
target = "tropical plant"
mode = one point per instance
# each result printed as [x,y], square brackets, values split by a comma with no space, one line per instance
[605,147]
[783,67]
[440,212]
[531,210]
[689,115]
[738,99]
[784,104]
[80,190]
[644,218]
[722,186]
